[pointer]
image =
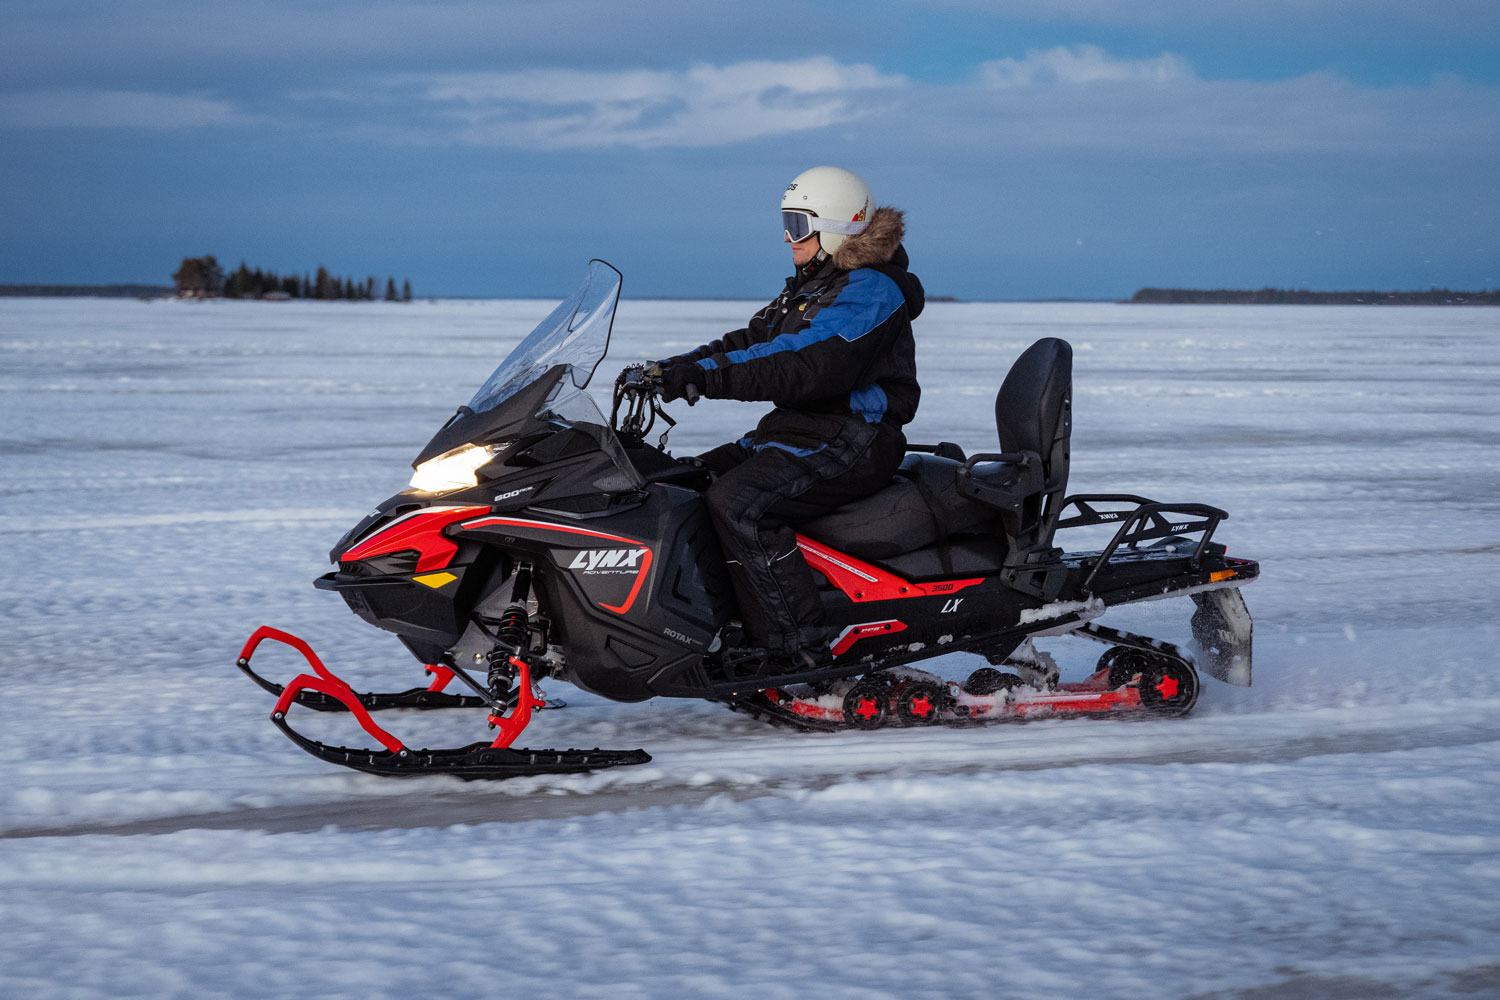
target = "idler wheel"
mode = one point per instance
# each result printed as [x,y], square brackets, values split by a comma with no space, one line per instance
[867,703]
[920,702]
[1125,664]
[987,680]
[1168,686]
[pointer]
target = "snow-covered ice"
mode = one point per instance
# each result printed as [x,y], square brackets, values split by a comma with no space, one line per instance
[174,474]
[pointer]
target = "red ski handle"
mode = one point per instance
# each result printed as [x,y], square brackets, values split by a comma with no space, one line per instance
[336,688]
[322,680]
[326,682]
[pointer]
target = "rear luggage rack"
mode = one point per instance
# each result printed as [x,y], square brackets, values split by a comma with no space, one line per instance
[1148,520]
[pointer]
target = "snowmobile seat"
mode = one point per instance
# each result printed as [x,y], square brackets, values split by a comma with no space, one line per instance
[1012,498]
[920,507]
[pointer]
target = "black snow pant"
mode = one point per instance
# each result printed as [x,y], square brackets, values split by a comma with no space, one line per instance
[758,498]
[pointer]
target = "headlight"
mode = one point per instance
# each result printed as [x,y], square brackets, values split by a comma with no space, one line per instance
[453,470]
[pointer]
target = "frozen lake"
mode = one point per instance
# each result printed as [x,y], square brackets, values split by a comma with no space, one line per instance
[172,475]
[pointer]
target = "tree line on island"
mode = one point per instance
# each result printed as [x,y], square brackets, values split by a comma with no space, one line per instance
[1302,296]
[204,278]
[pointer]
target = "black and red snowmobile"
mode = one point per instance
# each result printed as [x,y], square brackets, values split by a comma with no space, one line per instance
[540,539]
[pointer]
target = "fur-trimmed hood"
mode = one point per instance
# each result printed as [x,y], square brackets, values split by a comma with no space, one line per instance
[879,247]
[877,244]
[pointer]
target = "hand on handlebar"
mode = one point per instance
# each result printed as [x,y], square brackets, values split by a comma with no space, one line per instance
[681,382]
[669,381]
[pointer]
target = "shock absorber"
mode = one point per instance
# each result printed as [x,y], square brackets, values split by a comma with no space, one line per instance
[512,632]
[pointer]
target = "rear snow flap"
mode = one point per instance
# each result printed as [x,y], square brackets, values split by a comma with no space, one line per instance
[1222,635]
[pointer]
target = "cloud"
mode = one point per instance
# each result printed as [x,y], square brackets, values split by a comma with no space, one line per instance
[704,105]
[1082,99]
[1065,100]
[1046,103]
[1080,64]
[83,108]
[1434,18]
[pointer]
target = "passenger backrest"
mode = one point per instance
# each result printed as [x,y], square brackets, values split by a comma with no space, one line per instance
[1034,412]
[1034,407]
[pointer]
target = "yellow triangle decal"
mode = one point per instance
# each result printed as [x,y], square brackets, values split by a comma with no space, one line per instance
[435,580]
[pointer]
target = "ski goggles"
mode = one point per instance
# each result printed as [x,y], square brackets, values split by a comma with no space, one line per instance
[798,226]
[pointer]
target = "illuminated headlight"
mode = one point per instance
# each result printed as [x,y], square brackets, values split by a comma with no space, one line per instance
[453,470]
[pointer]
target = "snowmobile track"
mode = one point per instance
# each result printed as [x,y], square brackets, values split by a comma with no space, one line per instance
[440,809]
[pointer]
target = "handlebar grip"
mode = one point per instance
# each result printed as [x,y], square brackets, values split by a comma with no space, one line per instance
[690,393]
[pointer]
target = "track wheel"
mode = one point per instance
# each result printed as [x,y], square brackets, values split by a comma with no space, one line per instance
[1123,664]
[987,680]
[867,704]
[1169,686]
[919,702]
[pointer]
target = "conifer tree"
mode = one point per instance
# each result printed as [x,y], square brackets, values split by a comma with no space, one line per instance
[390,290]
[200,277]
[406,290]
[238,285]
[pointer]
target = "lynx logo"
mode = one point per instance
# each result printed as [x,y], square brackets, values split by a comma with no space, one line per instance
[607,560]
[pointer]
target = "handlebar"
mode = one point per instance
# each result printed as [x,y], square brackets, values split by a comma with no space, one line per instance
[638,387]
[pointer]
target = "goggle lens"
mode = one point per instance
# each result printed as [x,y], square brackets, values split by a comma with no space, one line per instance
[796,225]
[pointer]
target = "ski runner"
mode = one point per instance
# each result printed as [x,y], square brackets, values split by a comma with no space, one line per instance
[834,352]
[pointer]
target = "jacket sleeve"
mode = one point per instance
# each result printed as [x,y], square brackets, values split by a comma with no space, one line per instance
[728,342]
[734,340]
[824,358]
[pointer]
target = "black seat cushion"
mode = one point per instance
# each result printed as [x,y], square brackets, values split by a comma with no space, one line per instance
[899,519]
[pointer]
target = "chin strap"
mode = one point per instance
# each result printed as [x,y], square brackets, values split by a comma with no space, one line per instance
[811,267]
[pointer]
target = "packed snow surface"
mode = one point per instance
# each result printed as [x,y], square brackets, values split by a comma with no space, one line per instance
[174,475]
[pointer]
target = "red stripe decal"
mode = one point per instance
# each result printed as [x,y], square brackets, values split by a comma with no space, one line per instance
[863,582]
[422,532]
[640,578]
[854,633]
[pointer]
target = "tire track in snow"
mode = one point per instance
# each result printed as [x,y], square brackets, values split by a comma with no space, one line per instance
[428,809]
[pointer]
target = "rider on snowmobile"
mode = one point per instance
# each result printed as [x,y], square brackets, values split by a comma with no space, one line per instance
[834,352]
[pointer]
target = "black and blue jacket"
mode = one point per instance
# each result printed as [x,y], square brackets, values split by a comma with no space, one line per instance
[836,345]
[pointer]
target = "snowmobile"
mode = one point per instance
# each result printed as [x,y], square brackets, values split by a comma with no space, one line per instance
[540,539]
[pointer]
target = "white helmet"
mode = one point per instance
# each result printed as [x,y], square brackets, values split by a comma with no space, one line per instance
[827,200]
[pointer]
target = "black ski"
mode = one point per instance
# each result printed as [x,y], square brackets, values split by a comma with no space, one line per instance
[477,761]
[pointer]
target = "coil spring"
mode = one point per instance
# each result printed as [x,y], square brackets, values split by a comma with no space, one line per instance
[512,634]
[513,627]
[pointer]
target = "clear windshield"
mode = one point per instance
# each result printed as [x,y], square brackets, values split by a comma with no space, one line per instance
[576,334]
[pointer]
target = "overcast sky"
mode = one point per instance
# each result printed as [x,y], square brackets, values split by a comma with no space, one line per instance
[1041,148]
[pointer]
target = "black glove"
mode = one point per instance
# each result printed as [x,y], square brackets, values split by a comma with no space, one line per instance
[681,381]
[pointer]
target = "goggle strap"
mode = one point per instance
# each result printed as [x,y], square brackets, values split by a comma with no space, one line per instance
[841,228]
